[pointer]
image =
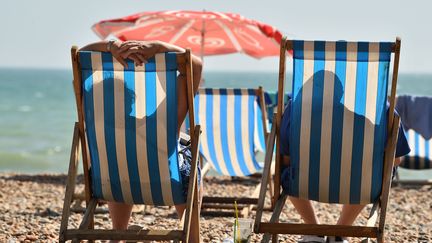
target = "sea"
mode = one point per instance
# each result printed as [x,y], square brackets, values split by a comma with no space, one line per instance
[37,113]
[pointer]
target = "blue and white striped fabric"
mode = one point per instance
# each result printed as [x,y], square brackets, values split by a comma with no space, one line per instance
[338,120]
[259,136]
[271,99]
[228,119]
[131,127]
[420,156]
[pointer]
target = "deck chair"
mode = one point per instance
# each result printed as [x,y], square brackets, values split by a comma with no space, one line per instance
[234,126]
[271,99]
[127,133]
[416,115]
[338,125]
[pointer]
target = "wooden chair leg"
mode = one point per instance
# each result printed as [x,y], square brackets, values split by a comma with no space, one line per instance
[275,237]
[280,203]
[192,200]
[388,168]
[265,178]
[89,214]
[70,184]
[380,238]
[194,215]
[196,211]
[270,183]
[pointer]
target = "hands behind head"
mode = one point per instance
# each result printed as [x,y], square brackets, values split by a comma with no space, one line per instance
[137,51]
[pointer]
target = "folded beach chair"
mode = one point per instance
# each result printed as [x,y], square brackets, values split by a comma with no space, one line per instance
[338,150]
[127,131]
[416,115]
[234,126]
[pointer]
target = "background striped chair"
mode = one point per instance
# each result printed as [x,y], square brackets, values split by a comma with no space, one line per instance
[420,156]
[416,115]
[128,123]
[234,127]
[337,135]
[271,99]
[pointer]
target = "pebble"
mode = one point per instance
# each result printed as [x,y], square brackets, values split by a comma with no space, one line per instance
[31,207]
[149,219]
[32,237]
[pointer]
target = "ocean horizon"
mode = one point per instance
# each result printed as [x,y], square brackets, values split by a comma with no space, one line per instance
[38,112]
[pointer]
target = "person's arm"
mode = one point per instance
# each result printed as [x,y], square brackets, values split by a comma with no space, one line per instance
[115,48]
[98,46]
[165,47]
[147,49]
[138,51]
[182,92]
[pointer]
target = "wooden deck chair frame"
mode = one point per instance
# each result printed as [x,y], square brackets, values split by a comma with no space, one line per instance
[273,228]
[245,204]
[79,147]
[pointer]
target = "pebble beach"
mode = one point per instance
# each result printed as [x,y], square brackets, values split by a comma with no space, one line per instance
[31,206]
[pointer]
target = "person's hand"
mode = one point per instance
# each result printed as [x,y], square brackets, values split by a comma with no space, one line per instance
[115,51]
[118,54]
[138,51]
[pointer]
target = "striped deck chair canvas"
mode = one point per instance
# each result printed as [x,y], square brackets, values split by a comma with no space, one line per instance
[338,120]
[416,116]
[261,125]
[233,130]
[130,121]
[420,157]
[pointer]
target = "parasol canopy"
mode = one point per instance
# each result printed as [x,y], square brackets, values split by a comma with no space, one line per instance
[206,33]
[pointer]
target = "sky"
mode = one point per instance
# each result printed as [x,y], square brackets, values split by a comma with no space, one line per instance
[39,34]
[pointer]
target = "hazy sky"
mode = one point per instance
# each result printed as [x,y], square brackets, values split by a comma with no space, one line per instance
[40,33]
